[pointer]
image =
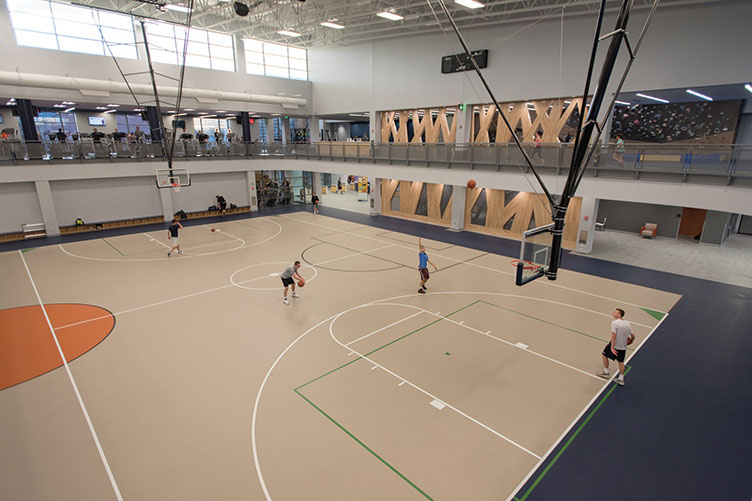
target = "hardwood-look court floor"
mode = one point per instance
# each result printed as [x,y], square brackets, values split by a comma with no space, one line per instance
[187,378]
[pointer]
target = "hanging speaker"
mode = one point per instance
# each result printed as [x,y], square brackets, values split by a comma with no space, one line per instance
[241,9]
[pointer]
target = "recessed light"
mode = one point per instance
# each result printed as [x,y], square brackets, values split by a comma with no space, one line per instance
[653,98]
[101,107]
[177,8]
[113,105]
[623,103]
[390,15]
[702,96]
[470,4]
[288,33]
[110,111]
[748,87]
[221,111]
[137,109]
[330,24]
[68,102]
[69,109]
[58,106]
[189,109]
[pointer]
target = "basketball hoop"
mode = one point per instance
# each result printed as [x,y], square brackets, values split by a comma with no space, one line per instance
[176,187]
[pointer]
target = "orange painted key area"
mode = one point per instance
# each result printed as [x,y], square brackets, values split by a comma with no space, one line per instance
[27,349]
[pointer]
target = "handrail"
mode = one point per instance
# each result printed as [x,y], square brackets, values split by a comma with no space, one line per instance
[688,162]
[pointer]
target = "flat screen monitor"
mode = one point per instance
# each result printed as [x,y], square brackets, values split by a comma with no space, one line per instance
[97,121]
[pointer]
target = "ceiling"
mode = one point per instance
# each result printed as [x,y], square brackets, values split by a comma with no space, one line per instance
[357,16]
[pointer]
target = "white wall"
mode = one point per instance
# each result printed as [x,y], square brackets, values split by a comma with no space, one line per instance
[18,205]
[9,121]
[205,187]
[688,46]
[98,200]
[82,121]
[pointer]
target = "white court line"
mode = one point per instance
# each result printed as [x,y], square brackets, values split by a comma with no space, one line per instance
[462,324]
[156,240]
[224,233]
[428,394]
[575,420]
[351,255]
[350,352]
[158,303]
[384,328]
[73,383]
[109,260]
[547,282]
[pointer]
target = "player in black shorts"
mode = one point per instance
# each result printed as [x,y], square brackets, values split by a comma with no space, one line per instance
[222,203]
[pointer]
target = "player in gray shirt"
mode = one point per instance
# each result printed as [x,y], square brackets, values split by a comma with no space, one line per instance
[288,279]
[616,349]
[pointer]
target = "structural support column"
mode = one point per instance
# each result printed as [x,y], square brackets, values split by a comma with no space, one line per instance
[458,208]
[586,225]
[374,125]
[269,130]
[316,178]
[250,180]
[284,127]
[314,129]
[463,125]
[165,197]
[375,208]
[44,194]
[26,113]
[246,125]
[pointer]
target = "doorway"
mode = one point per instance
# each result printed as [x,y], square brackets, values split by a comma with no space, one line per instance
[692,221]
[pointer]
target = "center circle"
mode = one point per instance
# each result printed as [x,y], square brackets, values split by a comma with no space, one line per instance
[240,283]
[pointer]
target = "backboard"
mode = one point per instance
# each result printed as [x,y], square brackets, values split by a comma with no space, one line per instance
[535,254]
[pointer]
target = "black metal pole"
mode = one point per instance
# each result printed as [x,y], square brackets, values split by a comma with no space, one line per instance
[156,95]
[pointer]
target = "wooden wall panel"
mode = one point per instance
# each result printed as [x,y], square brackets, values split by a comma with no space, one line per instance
[523,208]
[435,128]
[410,196]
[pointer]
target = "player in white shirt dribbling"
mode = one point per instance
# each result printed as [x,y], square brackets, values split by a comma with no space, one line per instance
[621,336]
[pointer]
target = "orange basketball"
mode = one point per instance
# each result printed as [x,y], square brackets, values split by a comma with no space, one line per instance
[471,184]
[301,283]
[213,230]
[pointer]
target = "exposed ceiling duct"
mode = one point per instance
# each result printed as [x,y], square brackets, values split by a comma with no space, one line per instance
[103,88]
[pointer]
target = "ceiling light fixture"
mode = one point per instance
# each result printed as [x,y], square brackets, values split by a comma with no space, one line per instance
[470,4]
[113,105]
[623,103]
[69,109]
[110,111]
[653,98]
[703,96]
[390,15]
[288,33]
[68,102]
[177,8]
[330,24]
[748,87]
[58,106]
[101,107]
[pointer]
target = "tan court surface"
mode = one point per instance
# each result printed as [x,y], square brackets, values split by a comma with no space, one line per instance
[209,387]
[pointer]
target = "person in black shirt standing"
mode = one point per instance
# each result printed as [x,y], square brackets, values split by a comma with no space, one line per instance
[61,137]
[315,202]
[96,136]
[172,232]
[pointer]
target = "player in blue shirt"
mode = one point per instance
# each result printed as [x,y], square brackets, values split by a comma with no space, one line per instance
[423,263]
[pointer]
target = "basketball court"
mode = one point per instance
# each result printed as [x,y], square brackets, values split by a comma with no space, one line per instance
[188,378]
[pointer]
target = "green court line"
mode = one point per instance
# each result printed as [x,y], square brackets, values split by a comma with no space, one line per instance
[384,346]
[571,439]
[547,322]
[27,250]
[108,243]
[364,446]
[658,315]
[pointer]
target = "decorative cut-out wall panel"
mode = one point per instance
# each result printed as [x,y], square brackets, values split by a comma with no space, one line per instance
[523,210]
[409,193]
[433,125]
[553,118]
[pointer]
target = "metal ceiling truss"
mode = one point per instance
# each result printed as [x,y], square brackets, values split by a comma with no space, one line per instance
[266,17]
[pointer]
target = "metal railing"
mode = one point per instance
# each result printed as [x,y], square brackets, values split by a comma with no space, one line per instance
[727,163]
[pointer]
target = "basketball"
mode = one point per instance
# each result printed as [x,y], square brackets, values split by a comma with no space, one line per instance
[213,230]
[471,184]
[301,283]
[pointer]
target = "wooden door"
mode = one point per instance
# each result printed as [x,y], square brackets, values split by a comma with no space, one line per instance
[692,221]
